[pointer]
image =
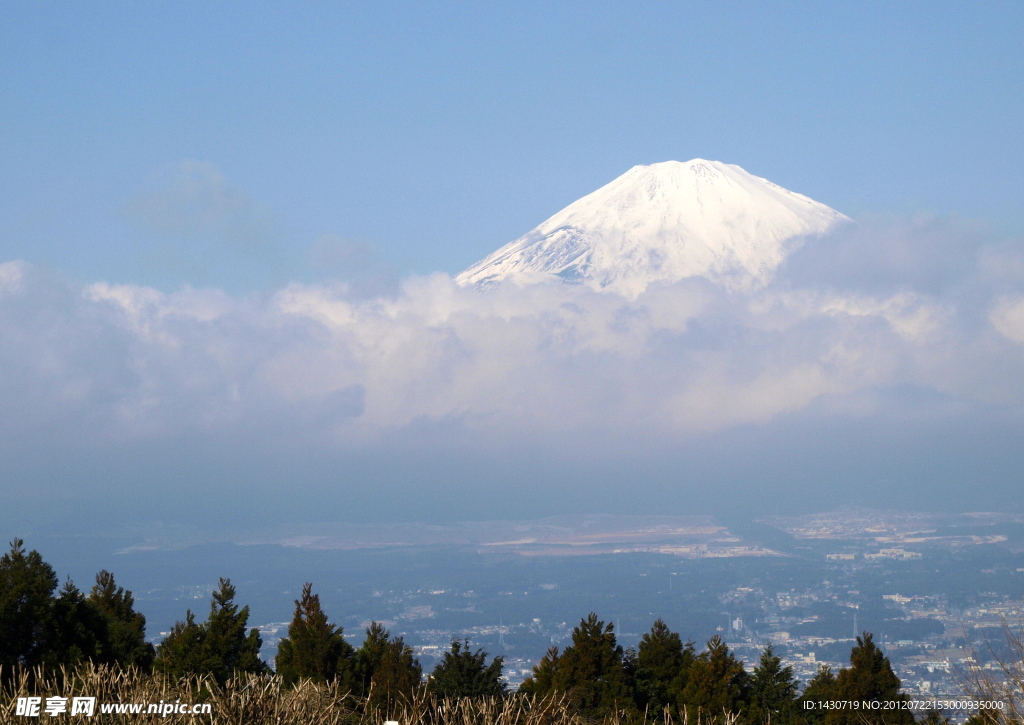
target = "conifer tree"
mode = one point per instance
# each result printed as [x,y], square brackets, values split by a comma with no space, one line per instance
[820,688]
[77,632]
[542,681]
[868,678]
[370,655]
[39,627]
[386,668]
[27,584]
[717,683]
[591,669]
[397,676]
[662,664]
[126,628]
[229,648]
[182,652]
[772,689]
[220,646]
[314,648]
[462,673]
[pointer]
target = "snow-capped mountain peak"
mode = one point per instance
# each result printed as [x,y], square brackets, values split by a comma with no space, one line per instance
[662,223]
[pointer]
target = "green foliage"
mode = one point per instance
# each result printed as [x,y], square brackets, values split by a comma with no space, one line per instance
[370,655]
[662,666]
[772,689]
[717,683]
[26,599]
[77,632]
[230,648]
[591,669]
[39,628]
[398,675]
[543,679]
[869,677]
[126,643]
[820,688]
[462,673]
[219,647]
[314,648]
[181,653]
[386,670]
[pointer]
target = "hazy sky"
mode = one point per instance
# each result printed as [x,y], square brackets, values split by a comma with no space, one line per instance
[227,234]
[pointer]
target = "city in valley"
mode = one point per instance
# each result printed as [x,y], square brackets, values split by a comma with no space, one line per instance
[934,589]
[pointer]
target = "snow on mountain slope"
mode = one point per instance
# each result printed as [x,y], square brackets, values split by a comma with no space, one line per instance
[663,223]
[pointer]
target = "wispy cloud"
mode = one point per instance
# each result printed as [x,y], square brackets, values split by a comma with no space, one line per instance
[191,220]
[194,198]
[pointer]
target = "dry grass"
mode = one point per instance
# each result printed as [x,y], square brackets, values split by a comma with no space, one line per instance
[263,700]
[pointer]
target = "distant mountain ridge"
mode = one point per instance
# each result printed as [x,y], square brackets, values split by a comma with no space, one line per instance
[662,223]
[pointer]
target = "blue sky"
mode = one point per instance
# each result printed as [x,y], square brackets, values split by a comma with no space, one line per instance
[418,137]
[227,233]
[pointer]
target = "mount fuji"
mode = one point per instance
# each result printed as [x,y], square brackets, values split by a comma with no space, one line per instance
[660,224]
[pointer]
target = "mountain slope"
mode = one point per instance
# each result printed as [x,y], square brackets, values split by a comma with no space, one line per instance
[663,223]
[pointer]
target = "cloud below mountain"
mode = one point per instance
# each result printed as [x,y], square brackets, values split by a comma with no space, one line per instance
[883,358]
[312,361]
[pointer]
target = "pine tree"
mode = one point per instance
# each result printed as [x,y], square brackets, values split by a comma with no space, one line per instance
[220,646]
[126,628]
[27,584]
[662,664]
[820,688]
[397,677]
[717,683]
[78,631]
[386,669]
[772,689]
[591,670]
[869,678]
[38,627]
[182,652]
[229,648]
[370,655]
[462,673]
[314,648]
[543,679]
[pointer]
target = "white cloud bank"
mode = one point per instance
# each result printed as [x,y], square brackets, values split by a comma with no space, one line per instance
[316,365]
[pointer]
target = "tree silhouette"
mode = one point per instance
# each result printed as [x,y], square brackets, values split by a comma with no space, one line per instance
[820,688]
[462,673]
[386,669]
[662,666]
[717,682]
[869,678]
[542,681]
[26,596]
[219,647]
[591,670]
[772,689]
[126,628]
[314,648]
[77,632]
